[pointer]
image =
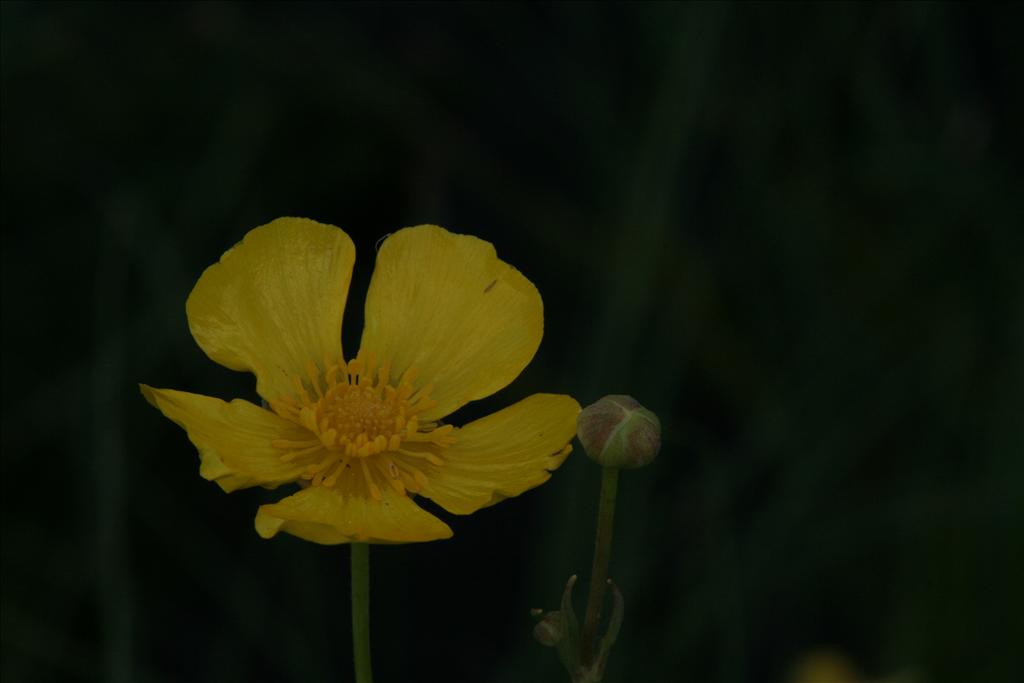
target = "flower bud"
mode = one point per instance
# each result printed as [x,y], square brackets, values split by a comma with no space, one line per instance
[619,432]
[548,630]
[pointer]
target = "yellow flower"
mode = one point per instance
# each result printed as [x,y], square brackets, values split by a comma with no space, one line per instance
[447,323]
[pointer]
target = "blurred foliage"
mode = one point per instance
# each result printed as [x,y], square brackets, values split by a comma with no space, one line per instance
[793,231]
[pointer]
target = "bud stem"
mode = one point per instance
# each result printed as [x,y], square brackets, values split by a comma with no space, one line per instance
[361,612]
[602,553]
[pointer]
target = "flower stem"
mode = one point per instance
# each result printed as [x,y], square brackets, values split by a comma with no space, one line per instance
[361,612]
[602,553]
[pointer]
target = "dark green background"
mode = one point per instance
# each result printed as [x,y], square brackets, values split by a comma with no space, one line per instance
[792,231]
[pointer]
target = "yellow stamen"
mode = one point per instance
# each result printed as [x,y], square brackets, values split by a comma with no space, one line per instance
[301,390]
[383,378]
[314,379]
[286,443]
[292,455]
[333,479]
[429,457]
[418,477]
[328,437]
[354,412]
[374,490]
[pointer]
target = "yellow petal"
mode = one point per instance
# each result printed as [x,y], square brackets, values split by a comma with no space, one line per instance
[444,304]
[503,454]
[233,439]
[274,302]
[331,516]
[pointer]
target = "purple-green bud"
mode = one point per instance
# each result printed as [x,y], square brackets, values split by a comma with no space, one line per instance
[619,432]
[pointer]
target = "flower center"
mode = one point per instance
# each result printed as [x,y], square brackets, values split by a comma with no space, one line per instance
[361,426]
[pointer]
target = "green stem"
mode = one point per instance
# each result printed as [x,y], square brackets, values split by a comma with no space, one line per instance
[602,553]
[361,612]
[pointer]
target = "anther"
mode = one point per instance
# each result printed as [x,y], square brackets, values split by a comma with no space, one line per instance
[336,474]
[314,378]
[328,437]
[356,412]
[301,390]
[374,489]
[355,366]
[293,455]
[409,376]
[288,443]
[429,457]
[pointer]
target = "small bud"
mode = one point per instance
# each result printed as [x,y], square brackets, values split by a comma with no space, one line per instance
[619,432]
[548,630]
[561,629]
